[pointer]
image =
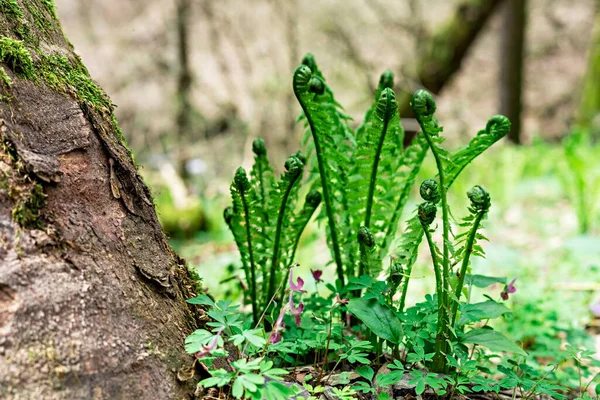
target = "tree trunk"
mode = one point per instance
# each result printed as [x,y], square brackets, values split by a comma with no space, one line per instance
[443,51]
[91,295]
[589,108]
[511,65]
[184,84]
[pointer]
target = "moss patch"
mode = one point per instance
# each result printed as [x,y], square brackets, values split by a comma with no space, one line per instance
[50,7]
[4,78]
[16,56]
[11,9]
[26,194]
[27,212]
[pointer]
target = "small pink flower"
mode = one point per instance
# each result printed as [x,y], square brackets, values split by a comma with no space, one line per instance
[595,309]
[317,275]
[275,337]
[509,289]
[296,287]
[207,349]
[296,312]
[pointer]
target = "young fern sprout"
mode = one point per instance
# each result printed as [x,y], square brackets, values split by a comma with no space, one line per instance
[262,173]
[366,242]
[265,224]
[306,86]
[242,194]
[291,178]
[406,255]
[424,106]
[480,205]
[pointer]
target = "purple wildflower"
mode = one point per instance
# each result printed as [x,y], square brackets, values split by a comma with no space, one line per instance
[296,287]
[275,337]
[317,275]
[207,349]
[595,309]
[508,289]
[296,311]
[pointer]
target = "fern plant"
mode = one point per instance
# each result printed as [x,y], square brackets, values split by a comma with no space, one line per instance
[265,223]
[365,175]
[434,192]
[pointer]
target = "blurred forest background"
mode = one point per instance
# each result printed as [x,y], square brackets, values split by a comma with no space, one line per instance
[196,81]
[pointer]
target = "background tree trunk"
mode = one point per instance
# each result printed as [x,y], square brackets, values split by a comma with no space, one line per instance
[511,65]
[444,49]
[91,295]
[184,84]
[589,109]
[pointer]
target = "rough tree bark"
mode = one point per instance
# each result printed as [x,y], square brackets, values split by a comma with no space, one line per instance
[91,295]
[511,65]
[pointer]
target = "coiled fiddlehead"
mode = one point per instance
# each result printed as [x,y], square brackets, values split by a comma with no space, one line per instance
[430,191]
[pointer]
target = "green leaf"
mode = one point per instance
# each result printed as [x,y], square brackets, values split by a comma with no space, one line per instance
[366,372]
[482,281]
[253,337]
[202,300]
[379,318]
[479,311]
[493,340]
[197,340]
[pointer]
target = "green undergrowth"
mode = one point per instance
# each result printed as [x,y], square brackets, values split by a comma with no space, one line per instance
[458,340]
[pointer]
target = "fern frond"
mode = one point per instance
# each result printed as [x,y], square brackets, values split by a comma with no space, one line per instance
[294,231]
[377,163]
[405,257]
[248,215]
[284,195]
[262,174]
[298,224]
[496,128]
[411,164]
[480,205]
[330,135]
[386,80]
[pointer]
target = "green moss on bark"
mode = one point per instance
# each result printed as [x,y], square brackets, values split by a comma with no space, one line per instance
[16,56]
[29,204]
[28,60]
[11,9]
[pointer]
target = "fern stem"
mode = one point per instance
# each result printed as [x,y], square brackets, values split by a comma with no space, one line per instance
[465,264]
[324,184]
[424,107]
[251,257]
[405,286]
[436,269]
[278,232]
